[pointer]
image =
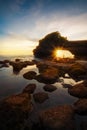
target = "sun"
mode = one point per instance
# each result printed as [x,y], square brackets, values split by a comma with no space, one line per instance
[62,54]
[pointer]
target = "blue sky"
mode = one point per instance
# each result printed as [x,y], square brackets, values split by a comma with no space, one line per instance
[33,19]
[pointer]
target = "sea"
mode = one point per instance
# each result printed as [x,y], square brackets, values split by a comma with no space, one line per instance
[13,83]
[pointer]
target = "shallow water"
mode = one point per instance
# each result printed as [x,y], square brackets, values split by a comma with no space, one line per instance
[13,83]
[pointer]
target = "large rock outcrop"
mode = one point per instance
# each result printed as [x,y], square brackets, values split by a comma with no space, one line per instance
[58,118]
[78,90]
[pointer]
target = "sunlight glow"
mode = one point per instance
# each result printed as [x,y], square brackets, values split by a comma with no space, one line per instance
[12,46]
[63,54]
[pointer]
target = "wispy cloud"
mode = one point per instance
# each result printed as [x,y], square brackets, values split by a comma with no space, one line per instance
[34,22]
[36,27]
[21,37]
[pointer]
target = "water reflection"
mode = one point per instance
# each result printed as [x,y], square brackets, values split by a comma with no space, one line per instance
[12,83]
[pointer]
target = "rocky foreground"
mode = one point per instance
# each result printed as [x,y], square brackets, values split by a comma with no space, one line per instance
[16,110]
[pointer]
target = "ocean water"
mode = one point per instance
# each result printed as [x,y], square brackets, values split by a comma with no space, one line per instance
[11,83]
[23,57]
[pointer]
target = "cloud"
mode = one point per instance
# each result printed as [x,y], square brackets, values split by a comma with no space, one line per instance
[34,22]
[37,27]
[21,37]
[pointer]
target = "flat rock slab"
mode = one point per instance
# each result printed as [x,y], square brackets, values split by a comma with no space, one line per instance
[29,75]
[81,106]
[49,88]
[58,118]
[40,97]
[30,88]
[78,90]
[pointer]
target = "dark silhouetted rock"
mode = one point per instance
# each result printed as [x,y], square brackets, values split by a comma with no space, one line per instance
[29,75]
[78,90]
[6,61]
[65,85]
[30,88]
[58,118]
[1,62]
[81,106]
[40,97]
[49,88]
[19,65]
[17,60]
[4,65]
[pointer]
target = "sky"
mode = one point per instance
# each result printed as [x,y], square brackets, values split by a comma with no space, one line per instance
[24,22]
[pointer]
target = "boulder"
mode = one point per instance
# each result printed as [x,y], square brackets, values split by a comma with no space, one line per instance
[17,60]
[42,67]
[58,118]
[29,75]
[49,87]
[77,70]
[30,88]
[14,110]
[20,101]
[4,65]
[48,76]
[81,106]
[17,66]
[78,90]
[40,97]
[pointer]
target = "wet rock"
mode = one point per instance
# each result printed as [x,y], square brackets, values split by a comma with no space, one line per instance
[85,83]
[40,97]
[81,106]
[6,61]
[48,76]
[42,67]
[58,118]
[17,60]
[1,62]
[30,88]
[17,66]
[78,90]
[49,88]
[29,75]
[14,111]
[77,70]
[4,65]
[65,85]
[20,101]
[83,125]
